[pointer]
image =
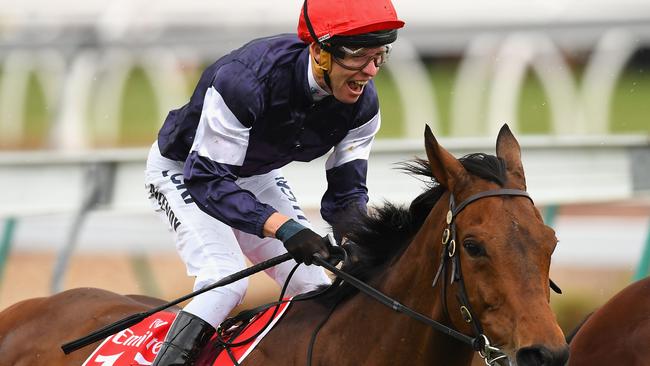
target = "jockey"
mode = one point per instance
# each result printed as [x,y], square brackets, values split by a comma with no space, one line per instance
[214,172]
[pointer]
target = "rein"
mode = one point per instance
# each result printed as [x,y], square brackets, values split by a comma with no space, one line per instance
[480,343]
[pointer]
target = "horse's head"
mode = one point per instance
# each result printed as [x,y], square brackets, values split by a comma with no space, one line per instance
[500,256]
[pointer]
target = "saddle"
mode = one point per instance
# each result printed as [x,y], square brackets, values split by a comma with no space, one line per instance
[236,337]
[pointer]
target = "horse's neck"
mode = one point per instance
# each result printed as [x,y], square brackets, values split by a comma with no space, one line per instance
[409,280]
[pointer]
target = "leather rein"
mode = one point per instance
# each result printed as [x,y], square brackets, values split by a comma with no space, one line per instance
[449,256]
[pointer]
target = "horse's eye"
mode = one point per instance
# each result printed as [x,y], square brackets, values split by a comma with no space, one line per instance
[473,249]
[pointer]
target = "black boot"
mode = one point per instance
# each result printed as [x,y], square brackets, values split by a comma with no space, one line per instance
[187,336]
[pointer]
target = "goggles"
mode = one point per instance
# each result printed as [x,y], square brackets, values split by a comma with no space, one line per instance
[357,59]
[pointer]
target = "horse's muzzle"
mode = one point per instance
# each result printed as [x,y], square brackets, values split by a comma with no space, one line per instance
[542,356]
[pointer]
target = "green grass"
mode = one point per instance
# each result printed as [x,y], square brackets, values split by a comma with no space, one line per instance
[534,112]
[630,111]
[139,120]
[139,110]
[442,75]
[391,107]
[37,115]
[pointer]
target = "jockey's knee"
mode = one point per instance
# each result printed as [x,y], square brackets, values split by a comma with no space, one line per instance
[214,306]
[236,290]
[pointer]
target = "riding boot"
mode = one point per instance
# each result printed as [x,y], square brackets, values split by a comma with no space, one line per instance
[187,336]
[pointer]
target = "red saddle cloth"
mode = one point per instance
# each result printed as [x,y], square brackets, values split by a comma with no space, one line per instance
[239,353]
[139,344]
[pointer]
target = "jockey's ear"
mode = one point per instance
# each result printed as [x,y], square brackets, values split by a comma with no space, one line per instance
[321,59]
[314,51]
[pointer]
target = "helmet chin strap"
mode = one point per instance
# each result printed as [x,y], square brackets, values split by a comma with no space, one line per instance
[326,76]
[322,68]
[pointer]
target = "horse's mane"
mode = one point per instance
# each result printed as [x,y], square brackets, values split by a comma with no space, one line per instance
[381,235]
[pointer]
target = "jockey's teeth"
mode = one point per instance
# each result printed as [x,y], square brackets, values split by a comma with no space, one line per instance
[356,84]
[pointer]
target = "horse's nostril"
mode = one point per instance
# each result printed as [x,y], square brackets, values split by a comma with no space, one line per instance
[542,356]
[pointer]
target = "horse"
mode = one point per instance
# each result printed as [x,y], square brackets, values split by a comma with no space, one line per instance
[471,255]
[617,333]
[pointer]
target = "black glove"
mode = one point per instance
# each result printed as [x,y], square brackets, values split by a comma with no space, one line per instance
[302,243]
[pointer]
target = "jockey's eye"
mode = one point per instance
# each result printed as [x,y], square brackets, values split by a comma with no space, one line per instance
[474,249]
[358,59]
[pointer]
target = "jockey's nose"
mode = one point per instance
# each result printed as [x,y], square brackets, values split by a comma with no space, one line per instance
[371,69]
[542,356]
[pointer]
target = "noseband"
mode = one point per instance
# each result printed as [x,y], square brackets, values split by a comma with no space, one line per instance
[449,254]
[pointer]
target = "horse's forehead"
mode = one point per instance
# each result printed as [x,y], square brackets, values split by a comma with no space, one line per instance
[501,208]
[505,217]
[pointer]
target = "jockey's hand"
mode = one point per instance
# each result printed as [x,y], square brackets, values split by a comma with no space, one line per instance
[302,243]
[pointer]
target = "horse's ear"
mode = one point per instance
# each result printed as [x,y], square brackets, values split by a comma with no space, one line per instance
[445,167]
[508,149]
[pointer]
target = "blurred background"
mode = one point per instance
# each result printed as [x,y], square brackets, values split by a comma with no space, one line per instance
[85,85]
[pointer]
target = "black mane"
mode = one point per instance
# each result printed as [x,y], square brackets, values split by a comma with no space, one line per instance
[382,235]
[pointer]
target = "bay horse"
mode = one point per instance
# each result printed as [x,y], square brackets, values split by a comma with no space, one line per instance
[474,215]
[617,333]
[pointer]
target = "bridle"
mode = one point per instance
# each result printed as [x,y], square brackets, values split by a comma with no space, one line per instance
[490,354]
[480,342]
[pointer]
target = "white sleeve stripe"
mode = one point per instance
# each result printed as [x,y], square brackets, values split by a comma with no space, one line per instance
[356,144]
[220,136]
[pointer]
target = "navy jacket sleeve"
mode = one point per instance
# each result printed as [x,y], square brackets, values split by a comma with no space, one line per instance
[230,107]
[346,170]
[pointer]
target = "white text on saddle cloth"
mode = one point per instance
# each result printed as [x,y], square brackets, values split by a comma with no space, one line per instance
[137,345]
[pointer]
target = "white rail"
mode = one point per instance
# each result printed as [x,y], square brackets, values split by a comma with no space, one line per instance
[558,170]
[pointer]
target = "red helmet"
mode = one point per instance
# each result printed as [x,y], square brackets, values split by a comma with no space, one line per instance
[365,23]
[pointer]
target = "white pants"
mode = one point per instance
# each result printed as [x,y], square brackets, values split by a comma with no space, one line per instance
[211,249]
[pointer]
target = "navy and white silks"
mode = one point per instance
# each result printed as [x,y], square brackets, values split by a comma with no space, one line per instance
[252,112]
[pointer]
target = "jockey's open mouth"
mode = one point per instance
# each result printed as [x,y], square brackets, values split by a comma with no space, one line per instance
[357,85]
